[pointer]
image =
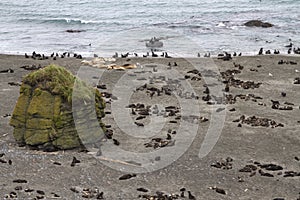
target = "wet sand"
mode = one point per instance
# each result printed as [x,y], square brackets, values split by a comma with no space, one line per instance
[247,162]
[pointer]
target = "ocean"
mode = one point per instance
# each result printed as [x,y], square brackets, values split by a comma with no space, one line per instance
[186,27]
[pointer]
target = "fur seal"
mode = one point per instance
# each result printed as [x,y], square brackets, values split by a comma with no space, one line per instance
[261,51]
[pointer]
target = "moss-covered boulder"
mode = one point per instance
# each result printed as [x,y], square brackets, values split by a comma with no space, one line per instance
[56,110]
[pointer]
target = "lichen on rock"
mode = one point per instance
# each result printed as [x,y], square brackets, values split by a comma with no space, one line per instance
[44,113]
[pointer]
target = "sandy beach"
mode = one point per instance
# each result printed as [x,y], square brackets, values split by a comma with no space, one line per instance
[253,158]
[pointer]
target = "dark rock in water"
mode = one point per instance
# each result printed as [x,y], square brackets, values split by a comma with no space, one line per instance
[44,116]
[258,23]
[74,31]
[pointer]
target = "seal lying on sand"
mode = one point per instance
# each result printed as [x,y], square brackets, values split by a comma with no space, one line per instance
[107,63]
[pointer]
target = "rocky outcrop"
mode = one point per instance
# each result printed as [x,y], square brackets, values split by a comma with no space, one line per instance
[258,23]
[43,116]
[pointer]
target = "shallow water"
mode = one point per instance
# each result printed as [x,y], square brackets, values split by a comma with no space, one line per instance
[187,26]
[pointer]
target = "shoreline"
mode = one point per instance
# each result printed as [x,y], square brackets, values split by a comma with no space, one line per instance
[140,55]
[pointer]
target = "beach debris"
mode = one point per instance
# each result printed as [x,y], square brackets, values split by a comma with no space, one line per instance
[43,116]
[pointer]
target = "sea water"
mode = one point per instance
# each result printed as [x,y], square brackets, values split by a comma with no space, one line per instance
[185,26]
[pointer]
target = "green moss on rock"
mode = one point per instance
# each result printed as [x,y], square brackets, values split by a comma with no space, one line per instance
[43,115]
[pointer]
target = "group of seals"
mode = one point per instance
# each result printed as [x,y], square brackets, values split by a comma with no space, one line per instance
[54,56]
